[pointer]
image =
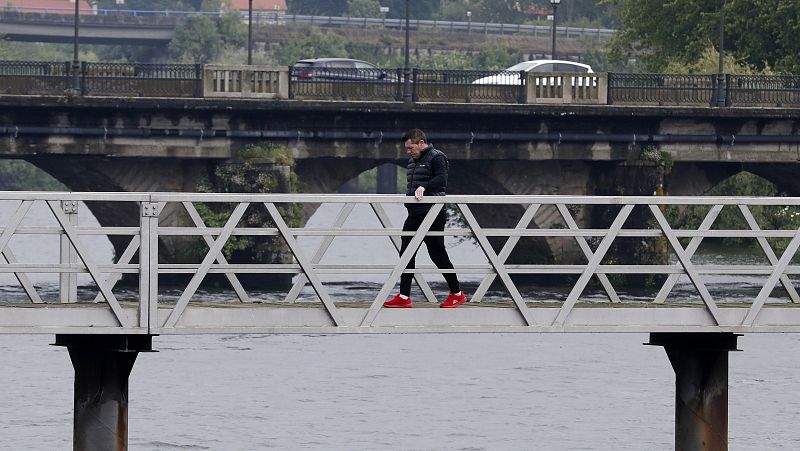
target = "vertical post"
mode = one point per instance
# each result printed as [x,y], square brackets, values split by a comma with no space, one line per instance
[76,66]
[700,362]
[249,32]
[555,10]
[148,267]
[68,286]
[102,365]
[720,94]
[406,71]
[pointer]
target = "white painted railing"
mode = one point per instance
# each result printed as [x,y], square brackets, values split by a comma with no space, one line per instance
[104,307]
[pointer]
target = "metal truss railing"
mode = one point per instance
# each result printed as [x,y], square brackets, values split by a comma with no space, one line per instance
[217,220]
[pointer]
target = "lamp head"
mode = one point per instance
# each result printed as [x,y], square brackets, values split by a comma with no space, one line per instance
[555,2]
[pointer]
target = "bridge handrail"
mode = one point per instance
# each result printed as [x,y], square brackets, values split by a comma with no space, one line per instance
[553,218]
[281,18]
[386,84]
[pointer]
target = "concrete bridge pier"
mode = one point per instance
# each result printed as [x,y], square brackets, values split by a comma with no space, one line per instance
[102,365]
[700,362]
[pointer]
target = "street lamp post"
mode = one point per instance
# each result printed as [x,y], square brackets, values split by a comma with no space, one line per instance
[720,101]
[249,32]
[76,65]
[406,69]
[555,8]
[469,21]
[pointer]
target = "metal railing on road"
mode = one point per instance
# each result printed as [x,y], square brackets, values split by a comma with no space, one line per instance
[281,18]
[102,307]
[427,85]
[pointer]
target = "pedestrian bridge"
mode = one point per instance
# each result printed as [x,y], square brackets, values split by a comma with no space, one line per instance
[598,298]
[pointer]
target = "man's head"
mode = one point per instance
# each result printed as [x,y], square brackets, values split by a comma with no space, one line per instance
[415,142]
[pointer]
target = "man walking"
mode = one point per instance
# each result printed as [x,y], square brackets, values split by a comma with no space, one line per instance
[426,176]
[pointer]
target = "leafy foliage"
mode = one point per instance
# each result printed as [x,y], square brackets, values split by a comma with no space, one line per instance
[317,44]
[363,8]
[742,184]
[19,175]
[196,40]
[758,33]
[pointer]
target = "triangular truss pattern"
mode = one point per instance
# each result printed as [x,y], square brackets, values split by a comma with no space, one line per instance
[83,254]
[769,252]
[685,259]
[8,255]
[497,264]
[211,256]
[592,264]
[691,248]
[639,219]
[505,252]
[587,251]
[209,240]
[413,246]
[386,223]
[304,263]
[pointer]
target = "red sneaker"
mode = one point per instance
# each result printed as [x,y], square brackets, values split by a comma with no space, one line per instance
[398,302]
[454,300]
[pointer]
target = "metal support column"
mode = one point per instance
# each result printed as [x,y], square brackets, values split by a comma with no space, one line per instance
[700,362]
[102,365]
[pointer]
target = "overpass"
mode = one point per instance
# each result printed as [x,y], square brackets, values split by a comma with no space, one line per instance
[150,27]
[105,331]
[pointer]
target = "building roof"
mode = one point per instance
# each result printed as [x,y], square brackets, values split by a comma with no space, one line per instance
[260,5]
[48,6]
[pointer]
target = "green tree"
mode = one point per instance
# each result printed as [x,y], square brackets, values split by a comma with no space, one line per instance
[363,8]
[196,40]
[494,56]
[37,51]
[317,44]
[17,175]
[759,33]
[232,30]
[503,11]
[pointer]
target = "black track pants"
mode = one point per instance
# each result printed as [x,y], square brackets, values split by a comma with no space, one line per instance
[436,250]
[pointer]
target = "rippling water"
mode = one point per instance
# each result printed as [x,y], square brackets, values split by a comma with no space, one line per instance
[402,392]
[398,392]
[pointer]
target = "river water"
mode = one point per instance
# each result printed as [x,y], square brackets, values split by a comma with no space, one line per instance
[395,392]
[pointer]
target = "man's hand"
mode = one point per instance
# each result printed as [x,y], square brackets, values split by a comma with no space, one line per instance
[418,193]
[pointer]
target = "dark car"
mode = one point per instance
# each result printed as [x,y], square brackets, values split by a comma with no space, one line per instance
[334,69]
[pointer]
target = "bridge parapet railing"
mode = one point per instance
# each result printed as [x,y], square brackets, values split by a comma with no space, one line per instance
[140,79]
[245,81]
[595,267]
[597,298]
[344,83]
[661,89]
[49,248]
[763,90]
[35,77]
[470,86]
[567,87]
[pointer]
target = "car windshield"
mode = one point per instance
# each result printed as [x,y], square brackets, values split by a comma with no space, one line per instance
[525,65]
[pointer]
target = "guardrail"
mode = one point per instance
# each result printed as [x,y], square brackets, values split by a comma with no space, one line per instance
[103,307]
[426,85]
[281,18]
